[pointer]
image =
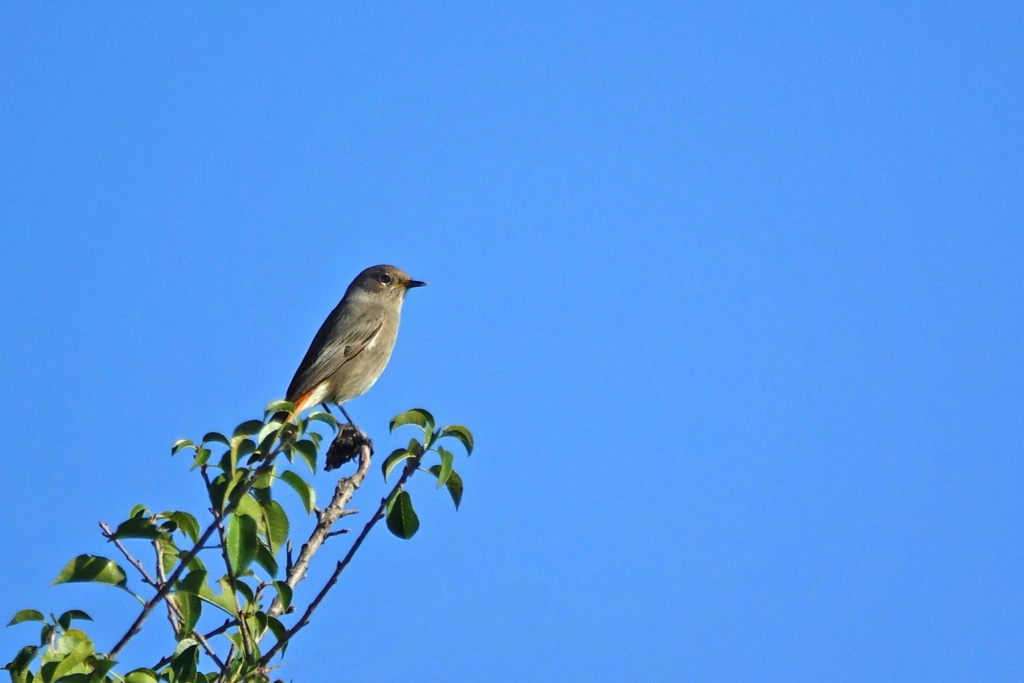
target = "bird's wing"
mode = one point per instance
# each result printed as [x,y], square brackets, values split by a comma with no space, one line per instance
[337,342]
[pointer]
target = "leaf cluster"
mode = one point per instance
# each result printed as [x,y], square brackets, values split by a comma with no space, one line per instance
[235,567]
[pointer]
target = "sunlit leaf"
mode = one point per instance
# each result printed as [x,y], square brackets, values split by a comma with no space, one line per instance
[202,457]
[216,437]
[276,525]
[454,484]
[185,660]
[186,523]
[279,406]
[241,541]
[195,583]
[136,527]
[92,569]
[417,416]
[181,443]
[446,466]
[268,431]
[284,594]
[26,615]
[141,676]
[326,418]
[266,560]
[462,434]
[65,619]
[397,456]
[247,428]
[305,491]
[191,608]
[307,449]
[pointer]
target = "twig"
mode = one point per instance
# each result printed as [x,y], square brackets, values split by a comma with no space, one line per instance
[109,535]
[343,492]
[236,495]
[364,463]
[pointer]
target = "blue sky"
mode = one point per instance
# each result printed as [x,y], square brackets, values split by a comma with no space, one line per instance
[731,295]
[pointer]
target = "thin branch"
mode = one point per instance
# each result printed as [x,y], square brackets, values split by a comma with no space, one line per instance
[364,463]
[109,535]
[236,495]
[343,492]
[173,615]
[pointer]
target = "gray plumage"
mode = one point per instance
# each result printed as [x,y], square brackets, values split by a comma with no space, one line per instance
[354,344]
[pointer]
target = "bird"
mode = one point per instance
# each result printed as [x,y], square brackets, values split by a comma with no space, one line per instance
[354,344]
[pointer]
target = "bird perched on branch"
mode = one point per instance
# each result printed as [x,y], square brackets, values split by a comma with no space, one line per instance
[355,343]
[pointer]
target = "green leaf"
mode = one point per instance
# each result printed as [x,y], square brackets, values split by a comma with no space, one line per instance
[187,523]
[453,484]
[446,466]
[278,406]
[181,443]
[216,437]
[276,526]
[279,631]
[245,591]
[284,594]
[141,676]
[397,456]
[307,449]
[326,418]
[241,541]
[202,457]
[266,560]
[216,491]
[22,660]
[417,416]
[195,583]
[240,474]
[186,659]
[305,491]
[247,428]
[26,615]
[137,510]
[242,447]
[65,619]
[462,434]
[191,609]
[168,552]
[72,663]
[92,569]
[269,430]
[136,527]
[401,518]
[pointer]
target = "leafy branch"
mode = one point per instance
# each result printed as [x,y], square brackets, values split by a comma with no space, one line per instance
[253,532]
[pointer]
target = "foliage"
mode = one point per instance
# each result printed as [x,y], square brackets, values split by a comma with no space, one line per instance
[227,570]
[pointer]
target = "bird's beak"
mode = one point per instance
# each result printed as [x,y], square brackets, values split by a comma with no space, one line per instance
[415,283]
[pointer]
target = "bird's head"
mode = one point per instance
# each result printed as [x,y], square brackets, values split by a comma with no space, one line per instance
[387,282]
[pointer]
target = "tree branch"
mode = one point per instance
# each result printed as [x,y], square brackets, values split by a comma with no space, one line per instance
[236,495]
[364,464]
[343,492]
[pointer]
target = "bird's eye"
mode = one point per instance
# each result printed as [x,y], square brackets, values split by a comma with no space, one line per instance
[385,279]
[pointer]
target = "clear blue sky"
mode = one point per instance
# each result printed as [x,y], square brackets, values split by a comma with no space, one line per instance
[732,295]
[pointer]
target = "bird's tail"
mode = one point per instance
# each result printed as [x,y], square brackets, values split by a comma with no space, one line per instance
[301,403]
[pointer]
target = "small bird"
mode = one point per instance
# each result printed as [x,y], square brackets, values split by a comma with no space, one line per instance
[355,343]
